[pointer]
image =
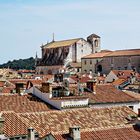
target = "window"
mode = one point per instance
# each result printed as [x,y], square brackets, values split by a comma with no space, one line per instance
[125,68]
[96,43]
[85,71]
[129,60]
[85,62]
[119,68]
[90,62]
[78,70]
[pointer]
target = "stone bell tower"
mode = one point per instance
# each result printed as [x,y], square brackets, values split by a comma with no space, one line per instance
[94,40]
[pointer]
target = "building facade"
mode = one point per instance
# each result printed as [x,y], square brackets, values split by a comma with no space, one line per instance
[59,54]
[105,61]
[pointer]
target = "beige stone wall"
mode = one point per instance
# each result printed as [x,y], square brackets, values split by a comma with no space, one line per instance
[121,62]
[109,63]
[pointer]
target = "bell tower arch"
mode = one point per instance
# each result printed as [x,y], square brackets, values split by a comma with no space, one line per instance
[94,40]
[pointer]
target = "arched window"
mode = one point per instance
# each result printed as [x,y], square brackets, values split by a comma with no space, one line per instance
[96,43]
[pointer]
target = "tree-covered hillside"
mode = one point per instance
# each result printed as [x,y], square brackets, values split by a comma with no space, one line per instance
[28,63]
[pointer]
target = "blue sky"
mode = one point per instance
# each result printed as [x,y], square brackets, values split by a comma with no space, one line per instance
[26,24]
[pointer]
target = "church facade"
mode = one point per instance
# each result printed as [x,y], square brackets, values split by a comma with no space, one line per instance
[57,55]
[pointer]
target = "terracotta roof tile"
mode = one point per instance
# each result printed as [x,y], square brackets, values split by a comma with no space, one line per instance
[109,94]
[97,55]
[123,74]
[13,124]
[21,104]
[124,133]
[63,43]
[119,82]
[114,53]
[124,52]
[7,89]
[58,122]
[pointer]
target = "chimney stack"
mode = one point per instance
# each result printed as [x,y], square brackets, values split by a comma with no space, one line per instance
[92,85]
[31,134]
[1,125]
[74,132]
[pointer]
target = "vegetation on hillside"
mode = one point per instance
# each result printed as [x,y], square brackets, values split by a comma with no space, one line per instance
[28,64]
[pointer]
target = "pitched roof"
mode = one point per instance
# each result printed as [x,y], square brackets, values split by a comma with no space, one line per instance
[125,52]
[116,53]
[63,43]
[13,124]
[93,35]
[124,133]
[24,81]
[97,55]
[119,82]
[133,94]
[123,74]
[109,94]
[22,104]
[58,122]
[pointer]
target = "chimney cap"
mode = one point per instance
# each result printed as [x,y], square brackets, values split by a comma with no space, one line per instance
[75,126]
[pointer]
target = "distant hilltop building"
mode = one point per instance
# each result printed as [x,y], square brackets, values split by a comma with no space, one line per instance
[57,55]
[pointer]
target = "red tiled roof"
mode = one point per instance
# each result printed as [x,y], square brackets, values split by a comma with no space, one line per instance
[116,53]
[123,73]
[21,104]
[109,94]
[124,133]
[34,81]
[13,124]
[97,55]
[119,82]
[58,122]
[124,52]
[7,89]
[2,83]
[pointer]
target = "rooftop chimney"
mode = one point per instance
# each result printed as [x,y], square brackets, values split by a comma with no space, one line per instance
[74,132]
[31,134]
[1,125]
[92,85]
[46,88]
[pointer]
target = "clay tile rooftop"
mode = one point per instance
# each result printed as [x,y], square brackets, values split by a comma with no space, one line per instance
[58,122]
[13,124]
[109,94]
[22,104]
[131,52]
[124,133]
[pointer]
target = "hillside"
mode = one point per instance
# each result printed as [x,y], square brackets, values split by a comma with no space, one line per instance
[28,63]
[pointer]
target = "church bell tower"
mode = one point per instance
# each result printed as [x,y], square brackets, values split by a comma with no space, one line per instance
[94,40]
